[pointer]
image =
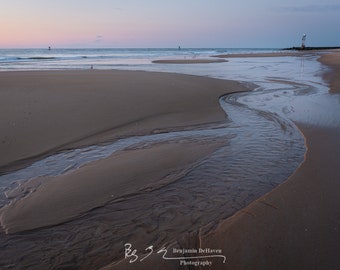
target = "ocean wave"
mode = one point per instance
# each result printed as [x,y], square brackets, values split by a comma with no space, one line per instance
[36,58]
[12,59]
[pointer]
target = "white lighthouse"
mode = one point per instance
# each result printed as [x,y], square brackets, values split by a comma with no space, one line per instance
[303,41]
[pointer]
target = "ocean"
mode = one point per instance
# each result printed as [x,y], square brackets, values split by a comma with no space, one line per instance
[38,59]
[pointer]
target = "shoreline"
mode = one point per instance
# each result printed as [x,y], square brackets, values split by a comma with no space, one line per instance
[189,61]
[269,54]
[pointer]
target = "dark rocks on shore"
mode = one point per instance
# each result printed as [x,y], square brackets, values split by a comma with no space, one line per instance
[309,48]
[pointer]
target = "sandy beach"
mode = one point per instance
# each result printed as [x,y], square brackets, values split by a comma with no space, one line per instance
[295,226]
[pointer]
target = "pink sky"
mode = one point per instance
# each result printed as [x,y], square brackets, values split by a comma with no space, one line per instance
[151,23]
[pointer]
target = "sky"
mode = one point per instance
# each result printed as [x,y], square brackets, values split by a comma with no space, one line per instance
[164,23]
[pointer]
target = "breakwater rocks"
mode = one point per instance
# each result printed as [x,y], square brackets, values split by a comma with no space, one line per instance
[310,48]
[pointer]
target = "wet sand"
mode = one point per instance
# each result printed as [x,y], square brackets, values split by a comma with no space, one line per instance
[189,61]
[269,54]
[222,57]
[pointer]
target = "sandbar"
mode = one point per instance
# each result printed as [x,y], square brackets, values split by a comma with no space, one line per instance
[43,112]
[266,54]
[189,61]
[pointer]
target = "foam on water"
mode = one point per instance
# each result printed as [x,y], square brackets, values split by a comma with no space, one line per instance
[37,59]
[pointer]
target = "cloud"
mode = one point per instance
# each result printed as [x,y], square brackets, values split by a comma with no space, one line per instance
[98,38]
[311,8]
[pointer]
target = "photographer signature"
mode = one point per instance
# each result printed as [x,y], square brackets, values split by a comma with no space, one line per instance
[132,254]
